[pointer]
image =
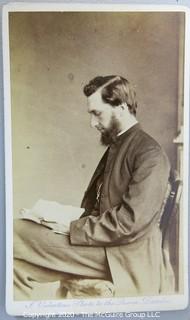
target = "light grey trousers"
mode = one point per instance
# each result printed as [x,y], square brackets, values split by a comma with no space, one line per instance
[43,256]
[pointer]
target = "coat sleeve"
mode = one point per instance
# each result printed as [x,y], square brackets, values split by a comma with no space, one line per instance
[138,210]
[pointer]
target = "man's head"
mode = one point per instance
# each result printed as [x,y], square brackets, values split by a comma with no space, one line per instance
[112,104]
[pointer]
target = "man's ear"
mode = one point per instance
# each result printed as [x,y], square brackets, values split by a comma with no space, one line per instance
[123,106]
[120,110]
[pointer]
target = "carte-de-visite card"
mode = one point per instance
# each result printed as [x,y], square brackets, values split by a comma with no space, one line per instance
[96,104]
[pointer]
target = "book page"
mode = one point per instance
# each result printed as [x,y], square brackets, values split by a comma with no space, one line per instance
[52,211]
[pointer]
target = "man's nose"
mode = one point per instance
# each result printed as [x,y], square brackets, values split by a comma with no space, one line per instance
[93,122]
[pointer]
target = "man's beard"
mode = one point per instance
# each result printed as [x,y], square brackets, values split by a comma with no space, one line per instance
[109,135]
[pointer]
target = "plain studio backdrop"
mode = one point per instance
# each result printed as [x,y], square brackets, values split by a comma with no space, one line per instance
[53,54]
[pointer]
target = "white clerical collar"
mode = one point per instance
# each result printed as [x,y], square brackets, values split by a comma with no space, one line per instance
[121,132]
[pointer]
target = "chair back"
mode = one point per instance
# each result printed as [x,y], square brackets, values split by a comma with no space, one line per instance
[171,204]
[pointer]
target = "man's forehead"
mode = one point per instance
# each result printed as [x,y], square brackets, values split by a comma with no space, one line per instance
[95,97]
[95,101]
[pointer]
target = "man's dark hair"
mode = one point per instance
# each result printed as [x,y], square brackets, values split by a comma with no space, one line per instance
[115,90]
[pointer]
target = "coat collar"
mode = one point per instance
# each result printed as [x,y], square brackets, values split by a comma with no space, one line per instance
[125,134]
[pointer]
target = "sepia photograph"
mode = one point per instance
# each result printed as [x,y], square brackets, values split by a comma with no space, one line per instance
[96,141]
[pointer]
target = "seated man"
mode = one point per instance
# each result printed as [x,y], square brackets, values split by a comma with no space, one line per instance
[118,237]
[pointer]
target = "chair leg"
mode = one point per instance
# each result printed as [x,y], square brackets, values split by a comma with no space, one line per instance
[61,292]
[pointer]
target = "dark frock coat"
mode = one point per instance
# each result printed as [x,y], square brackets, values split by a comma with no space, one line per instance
[135,173]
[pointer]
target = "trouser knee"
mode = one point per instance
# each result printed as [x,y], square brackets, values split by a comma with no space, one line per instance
[20,230]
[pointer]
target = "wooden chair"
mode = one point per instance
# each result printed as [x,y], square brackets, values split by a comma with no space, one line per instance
[170,207]
[169,225]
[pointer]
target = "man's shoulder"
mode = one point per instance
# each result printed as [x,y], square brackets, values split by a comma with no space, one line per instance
[141,139]
[142,144]
[148,148]
[145,139]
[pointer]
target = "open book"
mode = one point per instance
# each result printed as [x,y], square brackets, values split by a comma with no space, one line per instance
[52,214]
